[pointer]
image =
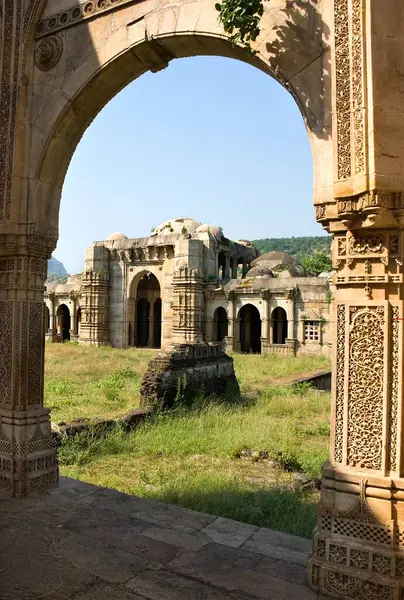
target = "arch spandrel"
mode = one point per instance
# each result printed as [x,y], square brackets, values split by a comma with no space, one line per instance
[96,57]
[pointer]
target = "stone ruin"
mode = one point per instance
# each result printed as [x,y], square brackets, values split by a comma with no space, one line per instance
[186,371]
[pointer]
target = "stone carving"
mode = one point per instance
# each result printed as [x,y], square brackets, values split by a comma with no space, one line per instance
[352,587]
[340,385]
[366,374]
[48,52]
[6,337]
[76,14]
[343,91]
[394,379]
[357,85]
[36,321]
[10,45]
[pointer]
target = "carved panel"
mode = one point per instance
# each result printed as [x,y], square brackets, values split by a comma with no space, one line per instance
[340,384]
[6,343]
[349,586]
[366,376]
[342,85]
[357,85]
[35,352]
[48,52]
[10,52]
[393,385]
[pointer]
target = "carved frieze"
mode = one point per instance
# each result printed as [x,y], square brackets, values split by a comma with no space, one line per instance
[340,384]
[77,13]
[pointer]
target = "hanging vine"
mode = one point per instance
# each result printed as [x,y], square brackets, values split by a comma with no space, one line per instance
[241,19]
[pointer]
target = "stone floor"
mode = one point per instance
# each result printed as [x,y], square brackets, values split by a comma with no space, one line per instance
[89,543]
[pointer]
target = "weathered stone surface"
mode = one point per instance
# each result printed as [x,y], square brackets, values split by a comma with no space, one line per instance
[104,553]
[228,532]
[186,371]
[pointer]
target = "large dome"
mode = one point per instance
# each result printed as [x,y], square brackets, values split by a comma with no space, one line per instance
[116,236]
[280,263]
[259,271]
[208,228]
[176,226]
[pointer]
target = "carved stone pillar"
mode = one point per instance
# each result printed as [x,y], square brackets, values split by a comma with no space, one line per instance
[27,458]
[359,539]
[51,331]
[188,306]
[229,339]
[265,322]
[244,268]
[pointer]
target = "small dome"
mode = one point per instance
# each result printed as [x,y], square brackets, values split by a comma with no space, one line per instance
[273,259]
[176,226]
[213,229]
[116,236]
[246,243]
[259,271]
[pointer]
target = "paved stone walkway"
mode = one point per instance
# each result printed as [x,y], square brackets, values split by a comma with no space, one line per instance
[89,543]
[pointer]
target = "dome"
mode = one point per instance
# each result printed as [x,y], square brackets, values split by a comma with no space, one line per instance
[116,236]
[273,259]
[246,243]
[259,271]
[213,229]
[179,225]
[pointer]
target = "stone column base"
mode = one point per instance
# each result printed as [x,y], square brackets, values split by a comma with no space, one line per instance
[358,544]
[28,461]
[265,346]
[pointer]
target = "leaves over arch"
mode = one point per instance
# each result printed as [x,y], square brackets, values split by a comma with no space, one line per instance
[240,19]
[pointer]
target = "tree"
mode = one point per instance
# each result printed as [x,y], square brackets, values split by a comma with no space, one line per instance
[317,263]
[240,19]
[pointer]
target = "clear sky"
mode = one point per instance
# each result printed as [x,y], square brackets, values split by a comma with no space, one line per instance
[209,138]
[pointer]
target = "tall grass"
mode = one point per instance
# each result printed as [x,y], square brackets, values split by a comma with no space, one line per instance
[190,456]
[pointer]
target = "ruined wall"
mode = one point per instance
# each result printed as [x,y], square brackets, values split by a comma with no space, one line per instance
[188,369]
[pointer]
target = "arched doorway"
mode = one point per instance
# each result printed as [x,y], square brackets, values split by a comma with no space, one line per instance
[220,324]
[279,325]
[148,312]
[78,321]
[63,322]
[250,329]
[46,318]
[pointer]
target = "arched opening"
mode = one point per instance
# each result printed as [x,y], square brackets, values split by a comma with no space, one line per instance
[279,325]
[220,324]
[63,322]
[78,321]
[250,329]
[46,318]
[221,264]
[148,315]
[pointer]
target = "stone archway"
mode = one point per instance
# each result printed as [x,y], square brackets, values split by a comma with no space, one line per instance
[220,324]
[145,303]
[279,325]
[63,322]
[250,329]
[59,69]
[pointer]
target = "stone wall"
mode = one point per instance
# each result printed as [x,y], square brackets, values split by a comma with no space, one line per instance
[188,370]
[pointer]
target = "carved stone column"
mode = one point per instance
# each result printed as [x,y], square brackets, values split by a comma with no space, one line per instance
[265,322]
[229,339]
[188,306]
[27,458]
[51,331]
[359,539]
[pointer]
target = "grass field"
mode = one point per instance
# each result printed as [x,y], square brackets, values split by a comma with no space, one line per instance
[190,457]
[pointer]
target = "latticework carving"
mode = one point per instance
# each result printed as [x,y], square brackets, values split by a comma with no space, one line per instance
[35,352]
[353,587]
[366,375]
[340,385]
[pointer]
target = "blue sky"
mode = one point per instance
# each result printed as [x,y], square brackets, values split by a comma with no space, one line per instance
[209,138]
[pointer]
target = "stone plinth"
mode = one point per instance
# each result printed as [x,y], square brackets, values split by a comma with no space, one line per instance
[186,371]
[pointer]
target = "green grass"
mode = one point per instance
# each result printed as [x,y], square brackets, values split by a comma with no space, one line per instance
[189,456]
[85,381]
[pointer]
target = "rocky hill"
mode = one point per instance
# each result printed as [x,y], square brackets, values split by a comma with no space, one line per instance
[56,271]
